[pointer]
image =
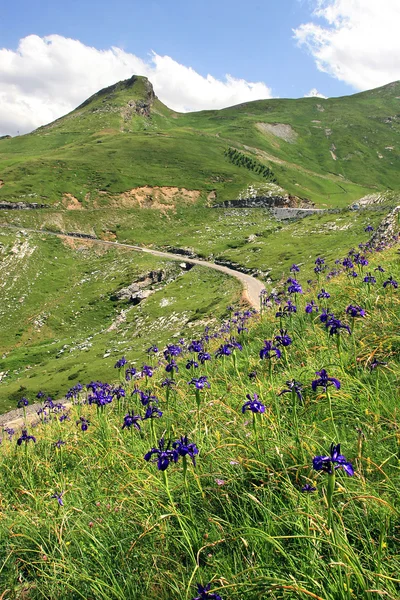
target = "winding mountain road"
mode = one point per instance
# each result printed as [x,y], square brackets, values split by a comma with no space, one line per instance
[251,289]
[251,286]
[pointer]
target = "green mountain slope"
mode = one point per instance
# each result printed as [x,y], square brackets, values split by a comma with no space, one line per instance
[330,151]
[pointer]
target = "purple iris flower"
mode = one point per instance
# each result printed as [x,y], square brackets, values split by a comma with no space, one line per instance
[205,594]
[145,396]
[353,274]
[147,371]
[152,412]
[324,381]
[319,261]
[293,386]
[9,431]
[295,288]
[235,345]
[323,294]
[25,438]
[172,350]
[375,363]
[380,269]
[120,363]
[119,392]
[224,350]
[391,282]
[63,418]
[152,350]
[163,455]
[168,382]
[23,402]
[192,363]
[355,311]
[287,309]
[347,263]
[40,395]
[324,317]
[130,373]
[369,278]
[83,423]
[74,392]
[283,339]
[195,346]
[203,357]
[334,326]
[269,350]
[253,404]
[172,366]
[102,393]
[58,497]
[131,419]
[59,443]
[290,307]
[332,462]
[186,448]
[308,489]
[311,306]
[200,383]
[49,402]
[369,228]
[294,268]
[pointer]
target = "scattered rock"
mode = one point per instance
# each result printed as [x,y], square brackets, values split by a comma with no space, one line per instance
[280,130]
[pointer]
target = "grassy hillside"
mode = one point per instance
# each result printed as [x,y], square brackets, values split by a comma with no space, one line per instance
[61,320]
[329,151]
[263,512]
[250,238]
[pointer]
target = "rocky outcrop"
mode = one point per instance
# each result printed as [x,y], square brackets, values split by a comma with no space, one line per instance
[266,202]
[388,228]
[21,205]
[136,292]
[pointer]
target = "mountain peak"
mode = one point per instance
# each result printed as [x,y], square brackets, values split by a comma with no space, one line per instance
[137,88]
[118,107]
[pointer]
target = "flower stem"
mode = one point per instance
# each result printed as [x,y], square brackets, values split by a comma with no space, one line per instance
[329,494]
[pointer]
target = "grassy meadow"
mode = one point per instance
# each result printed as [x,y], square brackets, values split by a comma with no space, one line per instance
[85,515]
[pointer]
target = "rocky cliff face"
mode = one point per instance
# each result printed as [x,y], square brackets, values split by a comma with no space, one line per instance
[388,229]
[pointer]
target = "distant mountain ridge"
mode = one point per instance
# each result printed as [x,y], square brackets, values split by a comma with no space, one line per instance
[330,151]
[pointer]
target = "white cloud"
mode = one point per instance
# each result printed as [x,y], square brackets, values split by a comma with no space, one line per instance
[358,42]
[48,77]
[314,93]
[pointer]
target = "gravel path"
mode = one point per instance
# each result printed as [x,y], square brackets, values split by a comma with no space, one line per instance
[252,286]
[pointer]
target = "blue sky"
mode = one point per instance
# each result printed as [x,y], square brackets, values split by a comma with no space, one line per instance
[198,53]
[252,40]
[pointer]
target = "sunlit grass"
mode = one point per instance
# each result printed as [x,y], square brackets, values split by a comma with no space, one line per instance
[238,519]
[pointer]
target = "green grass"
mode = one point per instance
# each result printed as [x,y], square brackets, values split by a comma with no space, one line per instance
[101,146]
[58,304]
[239,519]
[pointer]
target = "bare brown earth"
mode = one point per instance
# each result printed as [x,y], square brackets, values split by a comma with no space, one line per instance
[71,203]
[159,198]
